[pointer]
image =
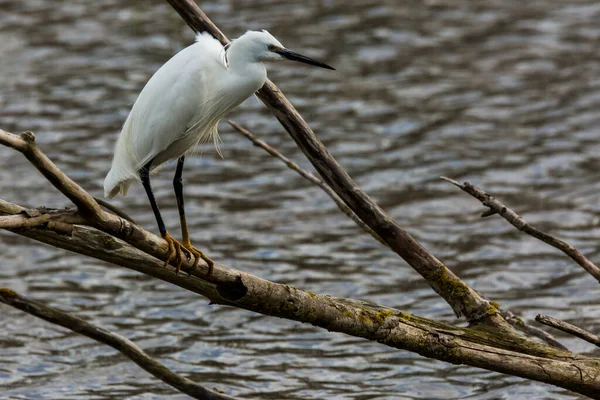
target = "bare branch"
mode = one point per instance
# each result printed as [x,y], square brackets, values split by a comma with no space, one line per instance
[308,176]
[462,298]
[511,318]
[118,342]
[529,329]
[41,216]
[496,207]
[568,328]
[489,342]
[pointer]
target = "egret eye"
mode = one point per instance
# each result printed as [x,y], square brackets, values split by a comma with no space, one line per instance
[271,47]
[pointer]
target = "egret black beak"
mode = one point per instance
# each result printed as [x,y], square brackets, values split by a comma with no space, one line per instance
[290,55]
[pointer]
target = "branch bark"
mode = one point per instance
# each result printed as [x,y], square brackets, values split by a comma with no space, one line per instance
[496,207]
[87,205]
[117,342]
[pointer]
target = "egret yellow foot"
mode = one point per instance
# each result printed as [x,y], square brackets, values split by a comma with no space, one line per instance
[176,250]
[198,255]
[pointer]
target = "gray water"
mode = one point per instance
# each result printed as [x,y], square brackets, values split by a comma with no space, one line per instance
[503,93]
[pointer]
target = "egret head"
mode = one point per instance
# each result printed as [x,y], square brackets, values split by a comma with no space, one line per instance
[265,47]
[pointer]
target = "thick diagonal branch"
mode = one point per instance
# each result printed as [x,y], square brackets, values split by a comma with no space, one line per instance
[496,207]
[508,316]
[117,342]
[462,298]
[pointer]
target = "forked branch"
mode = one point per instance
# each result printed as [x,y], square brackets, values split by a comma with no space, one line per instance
[508,316]
[480,348]
[483,347]
[488,343]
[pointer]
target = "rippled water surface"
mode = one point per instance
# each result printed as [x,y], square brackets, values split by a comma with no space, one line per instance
[503,93]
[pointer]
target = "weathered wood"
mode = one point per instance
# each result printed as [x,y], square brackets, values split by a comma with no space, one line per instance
[480,346]
[487,343]
[508,316]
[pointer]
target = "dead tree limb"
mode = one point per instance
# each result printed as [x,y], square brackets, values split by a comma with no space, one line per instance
[462,298]
[87,205]
[568,328]
[117,342]
[479,346]
[496,207]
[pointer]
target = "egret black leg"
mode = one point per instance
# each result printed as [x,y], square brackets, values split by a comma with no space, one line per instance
[174,246]
[145,177]
[178,187]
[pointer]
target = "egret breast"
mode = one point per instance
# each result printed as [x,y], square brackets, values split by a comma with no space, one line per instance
[220,92]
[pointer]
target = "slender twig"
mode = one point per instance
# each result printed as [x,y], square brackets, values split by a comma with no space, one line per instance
[308,176]
[461,297]
[118,342]
[114,209]
[530,329]
[568,328]
[496,207]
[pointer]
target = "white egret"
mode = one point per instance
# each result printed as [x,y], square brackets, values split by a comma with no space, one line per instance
[180,107]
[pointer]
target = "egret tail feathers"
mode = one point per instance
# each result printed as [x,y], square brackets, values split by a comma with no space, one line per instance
[114,185]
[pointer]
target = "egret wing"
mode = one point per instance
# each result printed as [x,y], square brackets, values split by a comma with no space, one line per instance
[171,100]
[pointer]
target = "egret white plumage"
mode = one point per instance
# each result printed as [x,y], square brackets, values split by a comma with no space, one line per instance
[180,107]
